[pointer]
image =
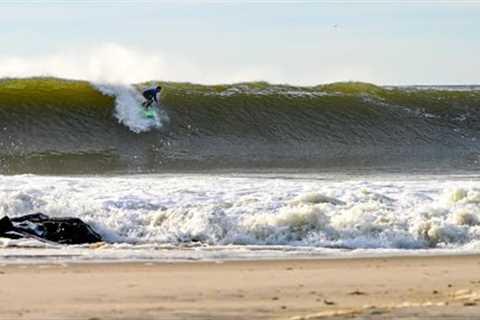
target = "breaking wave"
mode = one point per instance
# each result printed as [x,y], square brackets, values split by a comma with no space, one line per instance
[127,108]
[58,126]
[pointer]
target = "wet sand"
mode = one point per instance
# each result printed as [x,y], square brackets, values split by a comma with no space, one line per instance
[369,288]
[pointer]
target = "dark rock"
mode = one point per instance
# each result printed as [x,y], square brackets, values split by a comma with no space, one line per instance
[42,227]
[7,230]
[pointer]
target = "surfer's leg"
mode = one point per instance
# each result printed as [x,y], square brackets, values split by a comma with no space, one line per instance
[147,103]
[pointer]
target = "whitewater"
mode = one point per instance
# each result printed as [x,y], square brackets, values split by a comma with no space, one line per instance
[236,216]
[127,108]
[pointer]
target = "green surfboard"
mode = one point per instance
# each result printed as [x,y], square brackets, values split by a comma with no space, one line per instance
[150,113]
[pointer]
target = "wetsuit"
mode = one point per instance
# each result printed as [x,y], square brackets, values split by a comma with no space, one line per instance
[150,95]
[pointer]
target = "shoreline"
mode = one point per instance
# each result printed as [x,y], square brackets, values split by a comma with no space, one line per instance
[76,259]
[373,288]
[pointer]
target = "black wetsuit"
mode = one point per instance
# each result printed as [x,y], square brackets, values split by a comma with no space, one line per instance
[150,95]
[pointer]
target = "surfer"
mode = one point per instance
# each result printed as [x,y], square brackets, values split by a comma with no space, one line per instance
[150,95]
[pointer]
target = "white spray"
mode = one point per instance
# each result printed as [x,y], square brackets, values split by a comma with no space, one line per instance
[128,110]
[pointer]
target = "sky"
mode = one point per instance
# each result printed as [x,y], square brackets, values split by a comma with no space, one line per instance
[296,42]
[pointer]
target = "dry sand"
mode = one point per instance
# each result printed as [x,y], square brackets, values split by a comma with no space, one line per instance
[371,288]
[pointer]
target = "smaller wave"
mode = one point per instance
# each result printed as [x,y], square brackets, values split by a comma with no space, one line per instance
[179,210]
[128,110]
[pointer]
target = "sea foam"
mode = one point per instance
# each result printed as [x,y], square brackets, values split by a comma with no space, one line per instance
[128,109]
[179,210]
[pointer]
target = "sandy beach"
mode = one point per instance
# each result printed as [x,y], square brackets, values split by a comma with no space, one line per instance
[367,288]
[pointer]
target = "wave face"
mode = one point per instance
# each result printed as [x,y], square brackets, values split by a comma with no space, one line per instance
[55,126]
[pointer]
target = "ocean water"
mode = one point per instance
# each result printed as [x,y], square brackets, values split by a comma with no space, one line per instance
[247,171]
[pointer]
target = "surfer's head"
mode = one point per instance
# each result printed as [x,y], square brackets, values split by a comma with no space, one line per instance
[159,88]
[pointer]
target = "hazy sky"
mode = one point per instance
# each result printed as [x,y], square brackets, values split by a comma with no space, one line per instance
[297,42]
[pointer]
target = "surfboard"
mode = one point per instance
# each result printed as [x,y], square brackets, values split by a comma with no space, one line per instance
[149,113]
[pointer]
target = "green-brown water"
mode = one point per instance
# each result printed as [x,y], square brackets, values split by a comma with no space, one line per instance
[56,126]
